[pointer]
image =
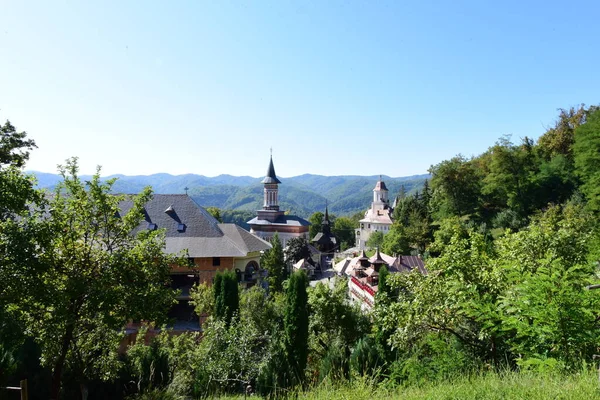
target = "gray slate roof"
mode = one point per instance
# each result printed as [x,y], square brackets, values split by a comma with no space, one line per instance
[271,177]
[288,220]
[203,235]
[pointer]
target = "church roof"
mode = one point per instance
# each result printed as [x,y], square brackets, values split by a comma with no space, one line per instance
[322,238]
[190,228]
[289,220]
[380,185]
[271,177]
[378,216]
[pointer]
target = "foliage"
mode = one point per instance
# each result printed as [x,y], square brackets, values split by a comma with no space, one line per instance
[215,212]
[375,239]
[296,324]
[316,223]
[587,158]
[226,296]
[203,297]
[296,249]
[273,262]
[344,229]
[334,322]
[14,147]
[82,275]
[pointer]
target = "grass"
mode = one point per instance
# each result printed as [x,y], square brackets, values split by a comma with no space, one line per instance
[489,386]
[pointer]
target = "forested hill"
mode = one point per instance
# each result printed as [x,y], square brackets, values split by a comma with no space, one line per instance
[302,195]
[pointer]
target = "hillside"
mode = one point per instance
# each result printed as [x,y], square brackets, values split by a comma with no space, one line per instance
[302,195]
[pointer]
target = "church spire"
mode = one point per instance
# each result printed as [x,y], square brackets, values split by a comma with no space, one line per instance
[271,201]
[271,177]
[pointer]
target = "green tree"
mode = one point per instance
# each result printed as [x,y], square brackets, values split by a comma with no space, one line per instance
[334,322]
[296,324]
[375,239]
[344,230]
[559,139]
[273,262]
[296,249]
[215,212]
[226,295]
[84,275]
[14,147]
[455,186]
[316,224]
[587,158]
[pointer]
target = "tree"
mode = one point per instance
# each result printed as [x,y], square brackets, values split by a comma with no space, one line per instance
[559,139]
[455,186]
[587,158]
[16,189]
[215,212]
[296,324]
[227,298]
[344,230]
[316,224]
[297,249]
[14,147]
[334,322]
[375,239]
[273,262]
[83,275]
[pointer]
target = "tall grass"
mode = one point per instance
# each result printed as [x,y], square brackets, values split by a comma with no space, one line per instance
[492,386]
[482,386]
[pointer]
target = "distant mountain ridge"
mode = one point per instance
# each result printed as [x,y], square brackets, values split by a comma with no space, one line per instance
[302,195]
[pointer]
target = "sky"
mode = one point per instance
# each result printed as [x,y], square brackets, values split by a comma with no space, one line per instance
[333,87]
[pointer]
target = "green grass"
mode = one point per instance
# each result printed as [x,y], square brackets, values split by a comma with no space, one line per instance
[490,386]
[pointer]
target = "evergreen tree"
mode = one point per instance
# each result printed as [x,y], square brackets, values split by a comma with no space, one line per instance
[273,262]
[296,324]
[227,300]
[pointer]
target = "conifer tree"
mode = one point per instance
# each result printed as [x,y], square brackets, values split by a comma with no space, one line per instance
[296,324]
[273,262]
[227,300]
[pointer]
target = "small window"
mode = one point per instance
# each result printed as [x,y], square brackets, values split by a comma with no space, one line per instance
[152,226]
[181,227]
[216,261]
[369,226]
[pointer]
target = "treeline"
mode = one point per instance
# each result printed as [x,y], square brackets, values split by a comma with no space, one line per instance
[503,187]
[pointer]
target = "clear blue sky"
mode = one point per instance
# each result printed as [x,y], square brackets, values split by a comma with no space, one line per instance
[336,88]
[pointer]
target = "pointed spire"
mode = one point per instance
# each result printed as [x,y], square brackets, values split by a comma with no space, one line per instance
[326,211]
[271,177]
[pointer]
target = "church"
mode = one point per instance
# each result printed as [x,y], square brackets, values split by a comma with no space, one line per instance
[271,219]
[378,218]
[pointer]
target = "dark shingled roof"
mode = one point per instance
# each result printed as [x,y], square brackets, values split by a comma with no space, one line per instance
[407,264]
[288,220]
[271,177]
[202,235]
[380,185]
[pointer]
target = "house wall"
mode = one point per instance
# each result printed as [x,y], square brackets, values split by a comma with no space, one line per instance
[203,266]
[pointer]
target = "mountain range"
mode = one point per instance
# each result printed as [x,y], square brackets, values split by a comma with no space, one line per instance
[302,195]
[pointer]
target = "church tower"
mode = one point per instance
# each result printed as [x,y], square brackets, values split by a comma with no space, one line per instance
[271,190]
[271,218]
[380,195]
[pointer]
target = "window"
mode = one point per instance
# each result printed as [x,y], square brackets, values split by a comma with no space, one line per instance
[216,261]
[152,227]
[181,227]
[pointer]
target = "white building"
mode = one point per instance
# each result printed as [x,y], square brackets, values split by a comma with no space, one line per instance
[378,218]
